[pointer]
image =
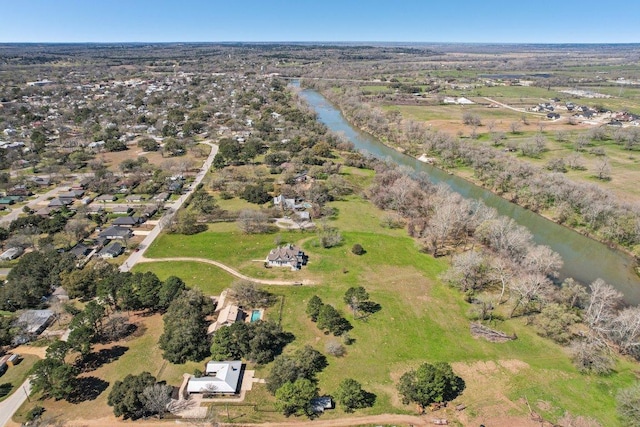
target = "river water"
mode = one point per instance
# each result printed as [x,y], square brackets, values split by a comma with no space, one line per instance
[584,259]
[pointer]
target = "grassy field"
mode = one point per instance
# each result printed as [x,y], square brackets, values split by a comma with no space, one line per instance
[14,376]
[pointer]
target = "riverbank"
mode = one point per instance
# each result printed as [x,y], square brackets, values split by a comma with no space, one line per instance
[585,258]
[471,178]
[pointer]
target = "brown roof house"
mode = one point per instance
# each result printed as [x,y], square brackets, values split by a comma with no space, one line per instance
[287,256]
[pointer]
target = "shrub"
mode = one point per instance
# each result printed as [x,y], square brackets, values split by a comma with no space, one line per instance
[357,249]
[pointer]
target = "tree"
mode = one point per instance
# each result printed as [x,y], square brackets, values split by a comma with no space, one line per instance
[330,319]
[603,169]
[354,297]
[7,330]
[185,328]
[255,194]
[303,363]
[313,307]
[248,295]
[357,249]
[628,400]
[554,322]
[592,356]
[251,221]
[127,398]
[186,222]
[260,341]
[294,398]
[430,384]
[53,378]
[170,289]
[156,398]
[351,395]
[148,144]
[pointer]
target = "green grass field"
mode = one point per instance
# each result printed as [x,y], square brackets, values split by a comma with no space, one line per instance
[14,376]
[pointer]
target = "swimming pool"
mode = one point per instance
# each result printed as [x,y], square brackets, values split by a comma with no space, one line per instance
[256,315]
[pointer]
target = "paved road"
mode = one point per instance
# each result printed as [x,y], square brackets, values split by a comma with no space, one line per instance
[230,271]
[9,406]
[5,220]
[172,209]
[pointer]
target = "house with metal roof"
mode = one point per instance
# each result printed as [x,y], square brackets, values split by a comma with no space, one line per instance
[219,378]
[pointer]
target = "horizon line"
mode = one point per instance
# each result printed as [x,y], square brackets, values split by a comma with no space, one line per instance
[325,42]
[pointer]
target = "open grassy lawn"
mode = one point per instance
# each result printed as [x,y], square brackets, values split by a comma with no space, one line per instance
[210,279]
[130,356]
[14,376]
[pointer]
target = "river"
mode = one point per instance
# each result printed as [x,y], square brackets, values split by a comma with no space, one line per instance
[584,259]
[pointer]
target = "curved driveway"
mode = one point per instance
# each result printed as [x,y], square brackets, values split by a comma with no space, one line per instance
[230,271]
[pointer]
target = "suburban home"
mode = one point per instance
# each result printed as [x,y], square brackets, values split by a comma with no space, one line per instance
[284,203]
[95,208]
[219,378]
[11,253]
[6,201]
[161,197]
[35,321]
[58,202]
[287,256]
[106,198]
[80,250]
[41,180]
[19,190]
[127,221]
[116,232]
[134,198]
[46,211]
[119,209]
[553,116]
[111,251]
[229,315]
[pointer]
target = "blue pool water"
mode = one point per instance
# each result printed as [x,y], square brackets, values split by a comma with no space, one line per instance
[255,315]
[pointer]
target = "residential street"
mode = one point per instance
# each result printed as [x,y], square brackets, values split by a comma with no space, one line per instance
[172,209]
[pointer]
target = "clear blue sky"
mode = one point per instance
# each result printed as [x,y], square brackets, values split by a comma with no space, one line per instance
[499,21]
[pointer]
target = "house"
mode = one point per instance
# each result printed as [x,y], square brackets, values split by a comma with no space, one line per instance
[127,221]
[58,202]
[219,378]
[285,203]
[553,116]
[11,253]
[19,190]
[80,250]
[161,197]
[229,315]
[320,404]
[116,232]
[111,251]
[119,209]
[6,201]
[46,211]
[106,198]
[41,180]
[134,198]
[35,321]
[286,256]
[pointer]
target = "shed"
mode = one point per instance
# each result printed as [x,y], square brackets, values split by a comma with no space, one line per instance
[320,404]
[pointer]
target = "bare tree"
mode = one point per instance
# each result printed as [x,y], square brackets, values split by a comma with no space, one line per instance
[541,259]
[603,304]
[628,400]
[603,169]
[625,331]
[156,398]
[252,221]
[591,356]
[469,270]
[530,291]
[247,294]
